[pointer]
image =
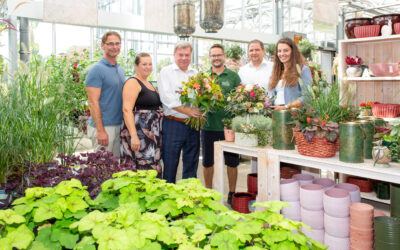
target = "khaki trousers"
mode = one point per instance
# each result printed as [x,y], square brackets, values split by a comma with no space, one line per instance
[113,138]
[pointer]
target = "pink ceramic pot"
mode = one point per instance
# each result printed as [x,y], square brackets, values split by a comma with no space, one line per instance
[325,182]
[292,212]
[361,222]
[337,202]
[314,219]
[336,243]
[361,210]
[303,178]
[337,226]
[311,196]
[361,234]
[315,234]
[354,191]
[361,245]
[289,189]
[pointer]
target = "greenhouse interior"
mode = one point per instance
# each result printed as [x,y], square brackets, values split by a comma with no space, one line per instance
[200,124]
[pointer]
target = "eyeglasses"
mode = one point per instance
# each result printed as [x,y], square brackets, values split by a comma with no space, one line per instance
[111,44]
[216,55]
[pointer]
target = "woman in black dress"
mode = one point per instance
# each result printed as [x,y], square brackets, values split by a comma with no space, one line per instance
[141,131]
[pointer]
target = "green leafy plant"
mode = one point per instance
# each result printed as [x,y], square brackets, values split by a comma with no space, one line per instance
[391,139]
[270,49]
[227,123]
[307,48]
[139,211]
[235,52]
[254,124]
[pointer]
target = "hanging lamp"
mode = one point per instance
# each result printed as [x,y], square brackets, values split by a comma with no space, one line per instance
[184,18]
[211,15]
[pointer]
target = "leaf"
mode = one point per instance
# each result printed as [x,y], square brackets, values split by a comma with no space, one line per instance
[200,235]
[37,192]
[271,236]
[168,207]
[20,237]
[10,217]
[113,239]
[65,237]
[128,194]
[298,238]
[46,212]
[249,227]
[285,245]
[225,240]
[184,201]
[87,243]
[115,184]
[75,204]
[187,246]
[89,221]
[273,206]
[172,235]
[216,205]
[148,229]
[127,173]
[66,187]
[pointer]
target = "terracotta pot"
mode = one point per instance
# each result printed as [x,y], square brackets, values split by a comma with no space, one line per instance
[378,213]
[229,135]
[356,244]
[336,226]
[240,202]
[363,234]
[396,27]
[289,189]
[361,222]
[361,210]
[354,191]
[355,22]
[325,182]
[336,202]
[311,196]
[312,218]
[384,19]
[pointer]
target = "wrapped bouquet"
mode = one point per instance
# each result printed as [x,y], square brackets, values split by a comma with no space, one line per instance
[203,92]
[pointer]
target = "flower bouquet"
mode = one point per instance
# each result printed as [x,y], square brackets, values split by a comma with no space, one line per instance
[248,99]
[202,92]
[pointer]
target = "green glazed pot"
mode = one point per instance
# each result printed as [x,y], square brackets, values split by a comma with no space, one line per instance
[379,245]
[282,131]
[351,142]
[383,190]
[395,200]
[369,130]
[387,229]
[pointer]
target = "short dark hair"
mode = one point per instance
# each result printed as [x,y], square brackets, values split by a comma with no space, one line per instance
[217,45]
[256,41]
[139,56]
[110,33]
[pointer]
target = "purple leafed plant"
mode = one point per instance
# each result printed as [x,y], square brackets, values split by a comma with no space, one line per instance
[92,169]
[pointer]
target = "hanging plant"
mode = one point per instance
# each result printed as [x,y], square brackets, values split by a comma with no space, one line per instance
[307,48]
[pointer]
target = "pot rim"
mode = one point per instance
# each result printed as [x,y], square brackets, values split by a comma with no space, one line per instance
[359,18]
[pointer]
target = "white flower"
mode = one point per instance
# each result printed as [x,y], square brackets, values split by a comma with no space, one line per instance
[249,87]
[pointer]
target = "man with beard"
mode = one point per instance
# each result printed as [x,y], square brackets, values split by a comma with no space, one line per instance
[213,130]
[104,83]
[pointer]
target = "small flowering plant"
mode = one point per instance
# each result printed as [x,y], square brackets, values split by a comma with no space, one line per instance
[247,99]
[354,60]
[366,105]
[201,91]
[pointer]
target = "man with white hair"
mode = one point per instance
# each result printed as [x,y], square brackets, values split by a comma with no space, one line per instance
[176,135]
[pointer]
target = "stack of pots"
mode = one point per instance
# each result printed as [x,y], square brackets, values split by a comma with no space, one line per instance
[312,210]
[289,190]
[395,200]
[361,226]
[336,203]
[353,190]
[303,178]
[252,184]
[325,182]
[387,233]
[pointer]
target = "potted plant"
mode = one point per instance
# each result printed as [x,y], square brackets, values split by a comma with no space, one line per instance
[307,48]
[353,66]
[391,138]
[234,53]
[228,131]
[254,130]
[366,109]
[270,50]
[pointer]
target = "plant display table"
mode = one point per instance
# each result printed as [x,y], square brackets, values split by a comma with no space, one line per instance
[268,167]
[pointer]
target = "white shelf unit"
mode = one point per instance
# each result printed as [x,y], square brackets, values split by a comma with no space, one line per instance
[373,197]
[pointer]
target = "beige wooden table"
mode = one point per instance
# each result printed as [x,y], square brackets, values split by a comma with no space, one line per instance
[268,175]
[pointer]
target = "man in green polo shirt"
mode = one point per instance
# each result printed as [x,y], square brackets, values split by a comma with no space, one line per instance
[213,130]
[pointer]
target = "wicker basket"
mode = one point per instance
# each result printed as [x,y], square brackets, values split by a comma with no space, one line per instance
[386,110]
[318,147]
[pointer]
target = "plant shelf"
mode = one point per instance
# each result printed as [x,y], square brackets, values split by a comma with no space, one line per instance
[373,197]
[372,79]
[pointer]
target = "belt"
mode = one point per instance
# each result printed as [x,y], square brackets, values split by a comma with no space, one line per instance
[175,118]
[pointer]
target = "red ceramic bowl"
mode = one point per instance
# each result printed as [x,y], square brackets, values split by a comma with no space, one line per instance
[367,31]
[355,22]
[396,27]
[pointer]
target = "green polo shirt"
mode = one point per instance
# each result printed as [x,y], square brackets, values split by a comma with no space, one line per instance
[228,80]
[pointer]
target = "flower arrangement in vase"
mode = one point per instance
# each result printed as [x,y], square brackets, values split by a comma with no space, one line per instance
[203,92]
[252,130]
[354,68]
[229,133]
[366,109]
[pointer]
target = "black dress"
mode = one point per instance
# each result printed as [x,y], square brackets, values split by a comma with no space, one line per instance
[148,118]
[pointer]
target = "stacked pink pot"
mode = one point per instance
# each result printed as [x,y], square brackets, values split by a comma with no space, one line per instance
[354,191]
[303,178]
[312,213]
[361,226]
[336,203]
[325,182]
[289,190]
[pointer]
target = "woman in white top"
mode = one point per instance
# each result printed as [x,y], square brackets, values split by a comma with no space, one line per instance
[284,84]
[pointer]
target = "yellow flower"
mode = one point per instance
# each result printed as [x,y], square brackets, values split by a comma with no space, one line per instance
[248,104]
[229,99]
[259,105]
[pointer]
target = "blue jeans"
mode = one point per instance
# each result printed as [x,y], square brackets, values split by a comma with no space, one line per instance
[177,136]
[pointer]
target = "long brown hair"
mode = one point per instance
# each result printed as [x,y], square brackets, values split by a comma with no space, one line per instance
[291,75]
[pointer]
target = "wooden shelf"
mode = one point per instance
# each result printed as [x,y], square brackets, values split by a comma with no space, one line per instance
[372,39]
[373,197]
[371,79]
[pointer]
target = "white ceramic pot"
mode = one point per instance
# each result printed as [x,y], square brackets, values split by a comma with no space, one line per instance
[292,212]
[289,190]
[337,243]
[303,178]
[337,202]
[247,140]
[314,219]
[354,191]
[354,70]
[315,234]
[311,196]
[325,182]
[336,226]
